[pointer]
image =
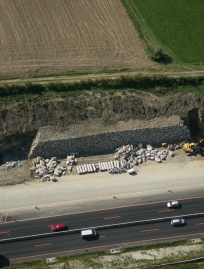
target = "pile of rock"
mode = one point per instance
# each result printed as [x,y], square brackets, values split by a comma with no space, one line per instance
[11,165]
[49,169]
[71,161]
[130,155]
[125,158]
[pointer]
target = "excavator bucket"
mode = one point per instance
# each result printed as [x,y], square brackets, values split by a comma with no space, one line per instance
[189,147]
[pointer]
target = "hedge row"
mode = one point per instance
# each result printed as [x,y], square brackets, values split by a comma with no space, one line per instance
[124,82]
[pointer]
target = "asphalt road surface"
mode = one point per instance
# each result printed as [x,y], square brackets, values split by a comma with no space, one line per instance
[108,239]
[141,234]
[101,217]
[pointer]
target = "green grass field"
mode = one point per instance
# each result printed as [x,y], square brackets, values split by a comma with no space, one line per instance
[177,26]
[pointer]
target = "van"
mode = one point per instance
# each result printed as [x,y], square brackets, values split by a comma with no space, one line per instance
[91,233]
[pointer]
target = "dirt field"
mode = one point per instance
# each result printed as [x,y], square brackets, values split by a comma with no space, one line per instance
[181,173]
[20,175]
[40,37]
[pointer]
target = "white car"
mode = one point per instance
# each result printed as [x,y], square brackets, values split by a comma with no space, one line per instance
[173,204]
[178,222]
[88,234]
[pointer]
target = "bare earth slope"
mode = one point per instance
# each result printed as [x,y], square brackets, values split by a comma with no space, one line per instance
[20,120]
[43,36]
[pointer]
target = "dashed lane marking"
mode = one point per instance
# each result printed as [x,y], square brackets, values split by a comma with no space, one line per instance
[146,231]
[6,232]
[166,210]
[114,217]
[105,246]
[43,245]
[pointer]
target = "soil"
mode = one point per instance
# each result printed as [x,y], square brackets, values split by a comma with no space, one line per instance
[135,259]
[20,120]
[40,38]
[139,259]
[15,176]
[22,174]
[56,38]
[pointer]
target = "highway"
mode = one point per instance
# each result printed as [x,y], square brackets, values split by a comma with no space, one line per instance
[101,217]
[108,239]
[140,234]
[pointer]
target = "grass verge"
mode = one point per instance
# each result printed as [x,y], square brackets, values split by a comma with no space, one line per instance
[175,26]
[155,84]
[94,259]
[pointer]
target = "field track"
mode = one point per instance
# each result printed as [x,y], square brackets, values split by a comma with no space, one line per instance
[78,78]
[51,36]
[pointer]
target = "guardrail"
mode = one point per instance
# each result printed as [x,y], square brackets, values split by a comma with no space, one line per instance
[98,228]
[133,223]
[38,236]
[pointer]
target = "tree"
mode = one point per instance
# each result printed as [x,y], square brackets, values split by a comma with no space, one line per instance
[161,57]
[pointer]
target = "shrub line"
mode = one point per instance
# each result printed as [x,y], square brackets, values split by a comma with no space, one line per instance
[153,83]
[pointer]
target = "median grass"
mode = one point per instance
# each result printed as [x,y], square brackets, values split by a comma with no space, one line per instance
[175,26]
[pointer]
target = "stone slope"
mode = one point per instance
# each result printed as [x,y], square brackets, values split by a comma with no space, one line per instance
[20,121]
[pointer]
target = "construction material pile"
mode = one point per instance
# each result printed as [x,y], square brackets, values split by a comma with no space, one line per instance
[49,169]
[130,155]
[125,158]
[113,167]
[11,165]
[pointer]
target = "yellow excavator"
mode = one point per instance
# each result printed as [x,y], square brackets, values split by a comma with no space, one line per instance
[194,147]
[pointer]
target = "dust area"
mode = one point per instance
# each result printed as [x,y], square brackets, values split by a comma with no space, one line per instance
[15,176]
[96,190]
[178,170]
[18,188]
[41,37]
[137,258]
[22,174]
[176,163]
[134,259]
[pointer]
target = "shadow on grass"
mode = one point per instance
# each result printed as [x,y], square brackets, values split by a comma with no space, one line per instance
[161,57]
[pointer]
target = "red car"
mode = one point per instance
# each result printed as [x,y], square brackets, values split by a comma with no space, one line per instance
[58,227]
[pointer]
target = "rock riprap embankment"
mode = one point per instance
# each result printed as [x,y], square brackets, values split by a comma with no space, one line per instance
[96,138]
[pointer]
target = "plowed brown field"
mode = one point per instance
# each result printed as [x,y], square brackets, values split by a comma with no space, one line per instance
[45,36]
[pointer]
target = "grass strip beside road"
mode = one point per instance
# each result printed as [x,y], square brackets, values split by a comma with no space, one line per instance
[89,258]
